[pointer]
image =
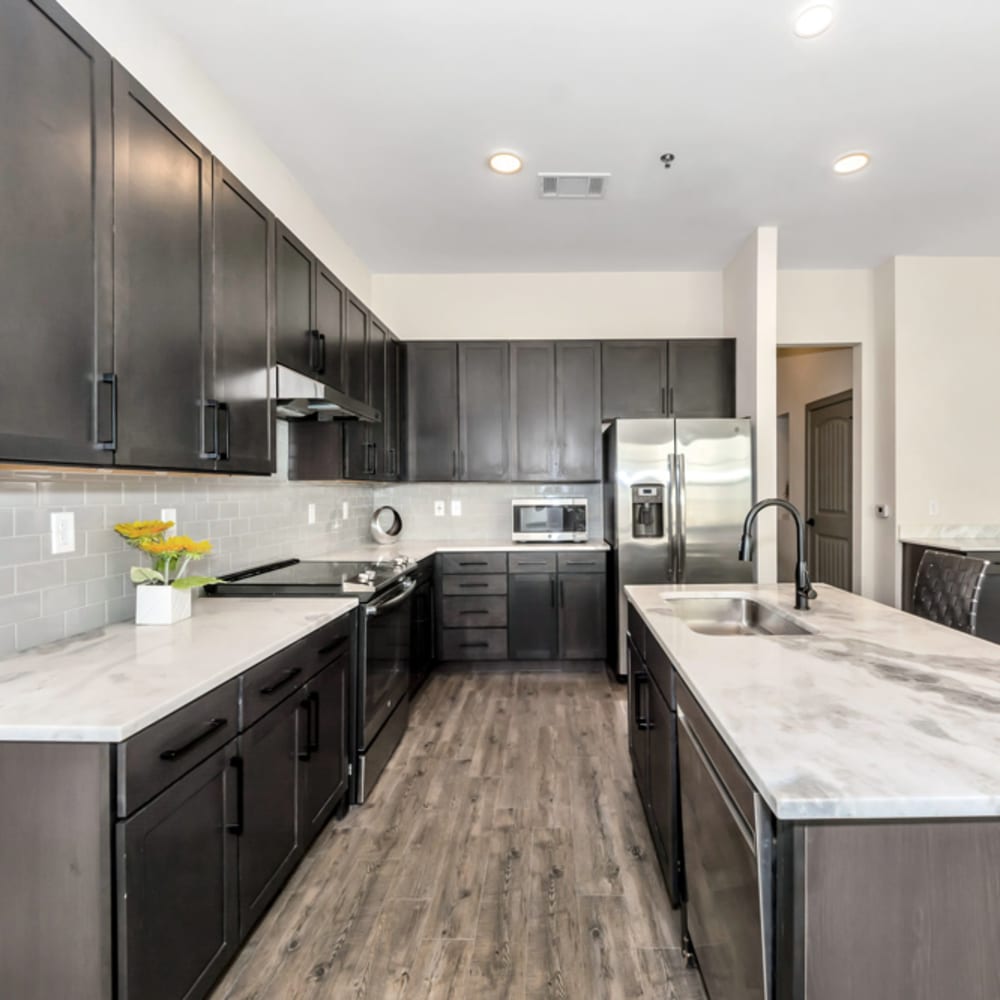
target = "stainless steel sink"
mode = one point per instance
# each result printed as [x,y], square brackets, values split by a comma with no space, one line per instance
[733,616]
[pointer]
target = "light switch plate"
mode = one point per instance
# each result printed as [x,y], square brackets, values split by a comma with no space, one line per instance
[345,510]
[169,514]
[456,508]
[439,508]
[311,513]
[63,526]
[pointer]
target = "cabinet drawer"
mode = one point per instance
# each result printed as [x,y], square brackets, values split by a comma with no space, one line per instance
[273,680]
[583,562]
[637,630]
[474,562]
[465,585]
[532,562]
[474,644]
[474,612]
[168,749]
[727,766]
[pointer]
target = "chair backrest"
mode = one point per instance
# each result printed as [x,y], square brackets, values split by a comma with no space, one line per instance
[947,589]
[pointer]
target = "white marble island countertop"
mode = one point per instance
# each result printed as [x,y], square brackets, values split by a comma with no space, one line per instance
[876,715]
[107,685]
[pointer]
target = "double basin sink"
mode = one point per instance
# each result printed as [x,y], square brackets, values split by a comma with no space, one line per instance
[733,616]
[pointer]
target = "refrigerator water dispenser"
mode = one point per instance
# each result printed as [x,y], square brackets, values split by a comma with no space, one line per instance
[647,510]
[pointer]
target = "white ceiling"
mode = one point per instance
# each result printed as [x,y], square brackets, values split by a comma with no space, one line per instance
[387,109]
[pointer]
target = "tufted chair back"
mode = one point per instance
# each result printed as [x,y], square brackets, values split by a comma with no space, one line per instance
[947,589]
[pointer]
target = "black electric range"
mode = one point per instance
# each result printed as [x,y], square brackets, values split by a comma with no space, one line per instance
[395,599]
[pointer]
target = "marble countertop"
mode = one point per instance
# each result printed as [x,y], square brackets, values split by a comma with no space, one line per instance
[876,715]
[104,686]
[420,549]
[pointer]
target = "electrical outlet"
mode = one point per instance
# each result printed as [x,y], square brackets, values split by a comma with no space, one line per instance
[439,508]
[345,510]
[169,514]
[456,508]
[932,508]
[311,513]
[63,532]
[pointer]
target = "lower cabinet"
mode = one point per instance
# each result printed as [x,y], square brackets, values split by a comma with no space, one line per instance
[324,775]
[583,612]
[533,615]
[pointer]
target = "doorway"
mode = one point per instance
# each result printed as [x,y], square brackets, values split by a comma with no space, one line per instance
[830,489]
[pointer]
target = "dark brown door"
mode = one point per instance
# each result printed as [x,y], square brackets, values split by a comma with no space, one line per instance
[296,340]
[830,490]
[356,334]
[702,378]
[177,887]
[583,630]
[243,247]
[578,410]
[633,379]
[484,411]
[55,237]
[391,412]
[532,617]
[330,296]
[163,232]
[664,801]
[377,348]
[432,411]
[533,411]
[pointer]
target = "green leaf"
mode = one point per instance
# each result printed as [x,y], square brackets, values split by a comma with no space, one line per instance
[141,574]
[188,582]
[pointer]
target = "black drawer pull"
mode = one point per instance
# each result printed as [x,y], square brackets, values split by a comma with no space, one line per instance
[286,677]
[306,752]
[474,645]
[481,562]
[465,586]
[478,611]
[530,562]
[313,734]
[237,765]
[336,644]
[581,562]
[214,725]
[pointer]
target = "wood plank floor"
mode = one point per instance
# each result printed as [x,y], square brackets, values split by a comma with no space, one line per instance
[502,856]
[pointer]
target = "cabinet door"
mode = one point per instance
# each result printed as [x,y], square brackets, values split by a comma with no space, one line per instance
[325,772]
[532,626]
[377,346]
[295,340]
[664,804]
[55,239]
[163,232]
[533,411]
[638,721]
[432,411]
[702,378]
[633,379]
[578,411]
[356,333]
[177,888]
[243,252]
[271,842]
[484,412]
[330,298]
[391,417]
[583,612]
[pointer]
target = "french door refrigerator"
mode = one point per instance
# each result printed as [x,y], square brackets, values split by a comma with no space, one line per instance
[676,492]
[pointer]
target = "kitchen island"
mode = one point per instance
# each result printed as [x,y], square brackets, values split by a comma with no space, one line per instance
[839,798]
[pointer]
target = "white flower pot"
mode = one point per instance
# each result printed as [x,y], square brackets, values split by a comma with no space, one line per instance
[161,605]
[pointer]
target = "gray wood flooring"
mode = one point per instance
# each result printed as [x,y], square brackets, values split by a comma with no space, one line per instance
[503,854]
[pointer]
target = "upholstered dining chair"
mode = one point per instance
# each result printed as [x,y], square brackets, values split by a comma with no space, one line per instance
[947,589]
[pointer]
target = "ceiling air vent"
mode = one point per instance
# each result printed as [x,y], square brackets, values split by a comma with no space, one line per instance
[572,185]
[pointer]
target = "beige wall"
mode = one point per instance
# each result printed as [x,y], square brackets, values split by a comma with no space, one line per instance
[161,64]
[601,306]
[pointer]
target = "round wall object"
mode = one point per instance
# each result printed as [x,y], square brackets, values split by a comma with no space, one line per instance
[386,525]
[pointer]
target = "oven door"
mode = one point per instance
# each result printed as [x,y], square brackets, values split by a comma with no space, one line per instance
[385,678]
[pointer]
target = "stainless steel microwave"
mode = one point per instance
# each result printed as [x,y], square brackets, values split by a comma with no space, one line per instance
[550,519]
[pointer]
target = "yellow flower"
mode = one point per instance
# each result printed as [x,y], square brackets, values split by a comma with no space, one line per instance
[177,546]
[135,530]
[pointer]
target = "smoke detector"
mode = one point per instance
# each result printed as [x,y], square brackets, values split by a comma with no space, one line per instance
[569,185]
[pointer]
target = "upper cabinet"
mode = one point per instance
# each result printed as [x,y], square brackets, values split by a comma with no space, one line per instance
[633,378]
[702,378]
[296,339]
[55,239]
[364,443]
[328,338]
[237,384]
[432,411]
[162,282]
[533,410]
[483,411]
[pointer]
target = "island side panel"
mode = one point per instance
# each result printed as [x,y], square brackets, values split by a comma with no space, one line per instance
[908,909]
[55,871]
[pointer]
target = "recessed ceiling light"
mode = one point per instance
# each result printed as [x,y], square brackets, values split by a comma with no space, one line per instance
[505,163]
[851,163]
[813,20]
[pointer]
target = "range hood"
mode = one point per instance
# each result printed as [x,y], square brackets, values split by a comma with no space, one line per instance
[299,396]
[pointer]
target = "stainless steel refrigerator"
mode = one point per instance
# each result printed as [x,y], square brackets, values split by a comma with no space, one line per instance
[675,495]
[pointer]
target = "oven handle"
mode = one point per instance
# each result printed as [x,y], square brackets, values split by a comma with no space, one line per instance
[375,609]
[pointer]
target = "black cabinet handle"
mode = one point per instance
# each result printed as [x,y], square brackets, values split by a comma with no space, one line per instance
[552,587]
[466,586]
[111,444]
[478,611]
[474,645]
[212,726]
[314,350]
[313,734]
[562,593]
[237,765]
[322,353]
[284,679]
[580,562]
[641,716]
[528,562]
[333,646]
[304,753]
[227,423]
[663,400]
[811,522]
[670,410]
[210,406]
[480,562]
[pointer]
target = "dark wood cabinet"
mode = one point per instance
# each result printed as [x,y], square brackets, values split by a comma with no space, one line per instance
[356,357]
[633,379]
[432,411]
[324,776]
[177,886]
[662,789]
[295,336]
[583,603]
[702,378]
[578,411]
[237,391]
[162,282]
[392,412]
[364,443]
[483,411]
[330,298]
[271,840]
[533,411]
[55,238]
[533,616]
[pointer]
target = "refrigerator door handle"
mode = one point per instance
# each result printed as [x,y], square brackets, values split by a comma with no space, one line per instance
[681,518]
[671,529]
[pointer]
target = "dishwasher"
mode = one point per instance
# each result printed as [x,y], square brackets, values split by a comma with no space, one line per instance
[728,859]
